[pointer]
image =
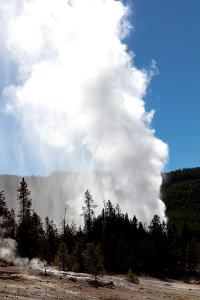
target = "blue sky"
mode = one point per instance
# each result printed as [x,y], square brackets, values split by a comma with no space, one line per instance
[169,32]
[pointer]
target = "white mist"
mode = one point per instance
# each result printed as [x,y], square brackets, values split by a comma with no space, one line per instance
[77,98]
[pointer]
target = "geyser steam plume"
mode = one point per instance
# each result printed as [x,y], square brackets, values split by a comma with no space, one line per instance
[72,90]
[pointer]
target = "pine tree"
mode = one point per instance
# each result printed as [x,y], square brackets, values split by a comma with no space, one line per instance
[25,202]
[51,238]
[88,212]
[3,206]
[157,245]
[77,257]
[10,224]
[63,257]
[24,217]
[7,218]
[93,260]
[3,212]
[37,236]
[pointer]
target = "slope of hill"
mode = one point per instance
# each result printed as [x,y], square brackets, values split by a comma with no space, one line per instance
[180,192]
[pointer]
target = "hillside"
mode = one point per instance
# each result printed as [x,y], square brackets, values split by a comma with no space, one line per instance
[180,192]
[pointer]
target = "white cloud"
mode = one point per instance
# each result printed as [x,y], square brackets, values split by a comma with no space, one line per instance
[78,89]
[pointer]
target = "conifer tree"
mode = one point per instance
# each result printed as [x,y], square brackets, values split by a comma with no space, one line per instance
[3,212]
[88,211]
[157,245]
[51,237]
[63,257]
[7,218]
[93,260]
[25,202]
[24,219]
[3,206]
[10,224]
[37,236]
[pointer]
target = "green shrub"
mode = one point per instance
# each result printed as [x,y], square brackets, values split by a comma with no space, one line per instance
[76,267]
[132,277]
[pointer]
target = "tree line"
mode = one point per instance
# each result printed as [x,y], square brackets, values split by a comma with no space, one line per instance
[109,242]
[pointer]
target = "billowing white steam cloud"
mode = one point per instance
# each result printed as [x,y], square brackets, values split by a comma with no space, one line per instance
[77,91]
[8,253]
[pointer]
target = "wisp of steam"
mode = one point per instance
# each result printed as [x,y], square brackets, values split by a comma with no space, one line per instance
[73,99]
[8,254]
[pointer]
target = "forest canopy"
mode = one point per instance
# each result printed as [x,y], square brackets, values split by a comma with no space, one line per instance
[113,241]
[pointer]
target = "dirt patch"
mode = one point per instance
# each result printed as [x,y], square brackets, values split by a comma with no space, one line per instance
[21,283]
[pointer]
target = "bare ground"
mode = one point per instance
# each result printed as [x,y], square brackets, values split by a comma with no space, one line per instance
[20,283]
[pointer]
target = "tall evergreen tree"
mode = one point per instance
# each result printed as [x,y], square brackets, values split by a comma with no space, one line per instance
[3,206]
[93,260]
[6,218]
[63,257]
[51,237]
[25,202]
[157,245]
[24,217]
[88,212]
[37,236]
[10,224]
